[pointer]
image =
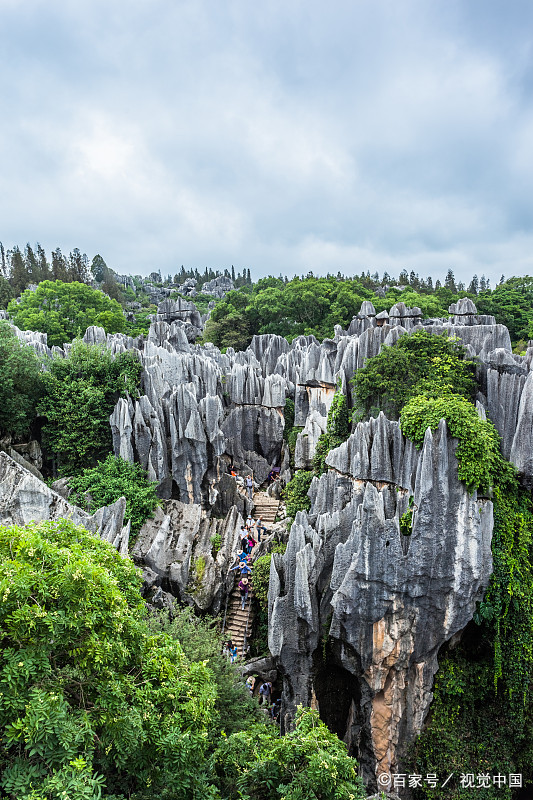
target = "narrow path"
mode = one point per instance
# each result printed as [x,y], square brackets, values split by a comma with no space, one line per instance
[238,622]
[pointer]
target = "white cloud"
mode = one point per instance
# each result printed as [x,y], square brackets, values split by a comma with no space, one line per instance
[279,136]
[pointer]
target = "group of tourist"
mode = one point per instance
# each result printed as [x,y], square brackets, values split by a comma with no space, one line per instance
[247,482]
[250,536]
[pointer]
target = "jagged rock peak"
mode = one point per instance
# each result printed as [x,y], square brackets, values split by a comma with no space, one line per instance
[390,601]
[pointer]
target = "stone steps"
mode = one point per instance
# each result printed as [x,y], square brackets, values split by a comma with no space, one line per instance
[237,620]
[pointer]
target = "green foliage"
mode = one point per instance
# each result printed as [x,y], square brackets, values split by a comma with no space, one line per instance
[309,763]
[338,424]
[507,608]
[216,544]
[292,436]
[323,446]
[6,292]
[419,363]
[141,326]
[295,492]
[234,709]
[88,695]
[482,718]
[81,391]
[406,520]
[337,431]
[20,382]
[114,478]
[300,306]
[288,416]
[478,449]
[65,310]
[511,303]
[261,575]
[471,731]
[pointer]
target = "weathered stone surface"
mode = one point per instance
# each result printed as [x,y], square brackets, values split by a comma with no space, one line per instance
[522,445]
[175,549]
[392,600]
[24,498]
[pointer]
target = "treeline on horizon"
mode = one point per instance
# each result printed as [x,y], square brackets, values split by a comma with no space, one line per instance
[285,306]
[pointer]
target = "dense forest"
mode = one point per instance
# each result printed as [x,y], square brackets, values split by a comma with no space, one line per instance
[101,696]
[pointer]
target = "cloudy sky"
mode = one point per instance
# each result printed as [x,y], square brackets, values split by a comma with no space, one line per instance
[282,136]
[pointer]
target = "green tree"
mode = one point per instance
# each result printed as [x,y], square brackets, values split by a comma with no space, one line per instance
[78,268]
[511,303]
[98,267]
[20,382]
[417,363]
[64,310]
[234,710]
[7,293]
[43,265]
[19,276]
[295,492]
[89,696]
[80,392]
[114,478]
[309,763]
[59,266]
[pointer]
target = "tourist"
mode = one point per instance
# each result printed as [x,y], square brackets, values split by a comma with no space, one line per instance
[243,589]
[249,483]
[250,682]
[233,654]
[265,691]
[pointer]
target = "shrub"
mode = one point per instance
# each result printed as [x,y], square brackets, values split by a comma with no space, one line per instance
[288,416]
[114,478]
[478,449]
[261,574]
[295,492]
[308,762]
[216,544]
[419,363]
[234,709]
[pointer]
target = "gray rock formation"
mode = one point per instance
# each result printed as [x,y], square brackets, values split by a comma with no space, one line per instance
[218,287]
[176,551]
[24,498]
[384,602]
[182,313]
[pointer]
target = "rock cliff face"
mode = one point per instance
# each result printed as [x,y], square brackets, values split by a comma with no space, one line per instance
[357,610]
[24,498]
[185,552]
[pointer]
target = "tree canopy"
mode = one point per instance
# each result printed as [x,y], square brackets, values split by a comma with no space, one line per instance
[20,382]
[418,363]
[98,700]
[65,310]
[112,479]
[80,392]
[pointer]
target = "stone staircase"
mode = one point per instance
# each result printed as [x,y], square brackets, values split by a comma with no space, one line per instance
[238,624]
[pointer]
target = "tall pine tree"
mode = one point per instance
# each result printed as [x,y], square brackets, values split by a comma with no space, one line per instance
[44,266]
[59,266]
[18,271]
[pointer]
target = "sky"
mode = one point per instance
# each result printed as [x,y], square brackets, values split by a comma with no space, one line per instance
[281,136]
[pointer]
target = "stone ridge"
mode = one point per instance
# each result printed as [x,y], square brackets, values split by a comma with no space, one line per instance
[385,602]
